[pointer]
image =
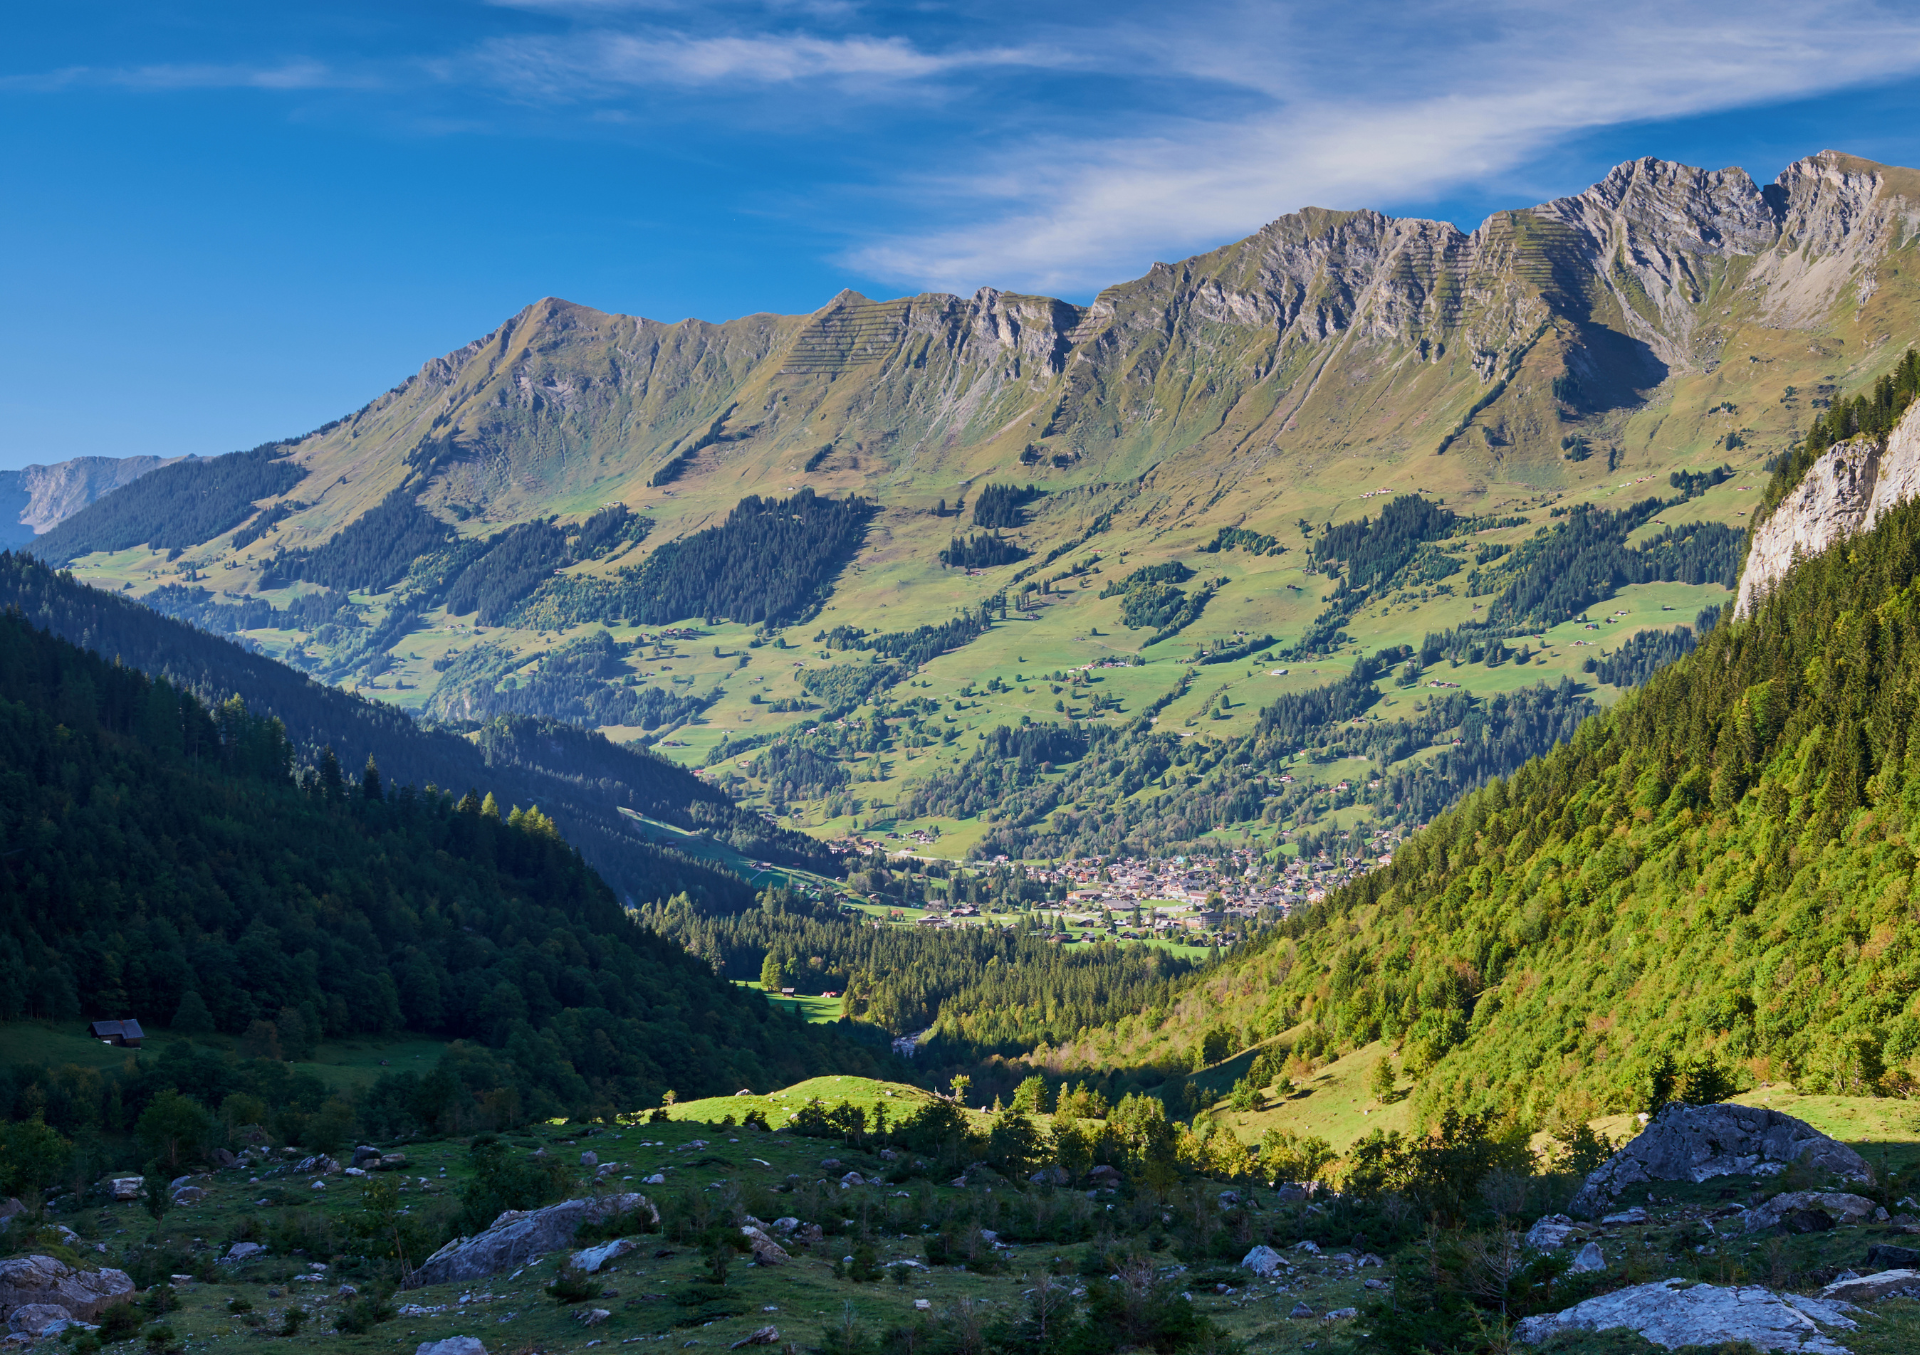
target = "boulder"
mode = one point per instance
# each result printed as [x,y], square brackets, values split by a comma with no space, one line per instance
[590,1259]
[453,1345]
[1300,1310]
[1867,1288]
[1695,1143]
[1673,1313]
[41,1279]
[1103,1175]
[1626,1218]
[1793,1207]
[364,1154]
[389,1162]
[34,1319]
[1341,1314]
[765,1336]
[1262,1261]
[1588,1259]
[222,1157]
[766,1251]
[244,1251]
[517,1236]
[9,1208]
[589,1158]
[126,1187]
[1049,1176]
[591,1317]
[1886,1256]
[189,1195]
[1552,1233]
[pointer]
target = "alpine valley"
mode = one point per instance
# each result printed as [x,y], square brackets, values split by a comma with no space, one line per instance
[1344,752]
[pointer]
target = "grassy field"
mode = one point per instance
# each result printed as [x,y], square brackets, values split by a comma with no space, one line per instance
[346,1065]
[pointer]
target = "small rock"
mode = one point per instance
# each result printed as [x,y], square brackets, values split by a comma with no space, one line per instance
[34,1319]
[1551,1233]
[1626,1218]
[1588,1258]
[657,1179]
[1262,1261]
[1886,1256]
[766,1251]
[1850,1288]
[1229,1199]
[853,1179]
[828,1164]
[127,1188]
[923,1305]
[1372,1283]
[590,1259]
[244,1251]
[766,1336]
[1338,1314]
[1369,1259]
[453,1345]
[1301,1310]
[591,1317]
[319,1185]
[1311,1248]
[589,1158]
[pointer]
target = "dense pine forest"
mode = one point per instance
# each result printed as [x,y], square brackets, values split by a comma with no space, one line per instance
[166,857]
[316,715]
[1714,874]
[977,991]
[1092,789]
[981,550]
[1002,505]
[372,553]
[175,506]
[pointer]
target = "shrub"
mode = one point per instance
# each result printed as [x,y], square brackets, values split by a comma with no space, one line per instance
[573,1285]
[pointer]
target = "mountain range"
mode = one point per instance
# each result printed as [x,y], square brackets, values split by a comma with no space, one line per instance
[509,528]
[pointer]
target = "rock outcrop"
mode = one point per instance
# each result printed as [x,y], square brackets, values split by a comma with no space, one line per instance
[1695,1143]
[1836,1205]
[516,1237]
[30,1280]
[1849,489]
[1672,1313]
[1883,1284]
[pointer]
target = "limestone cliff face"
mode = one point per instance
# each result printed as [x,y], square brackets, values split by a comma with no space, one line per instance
[1847,490]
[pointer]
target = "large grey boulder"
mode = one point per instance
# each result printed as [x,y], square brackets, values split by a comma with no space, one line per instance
[1694,1143]
[37,1319]
[452,1345]
[1839,1206]
[1673,1313]
[26,1280]
[518,1236]
[1881,1285]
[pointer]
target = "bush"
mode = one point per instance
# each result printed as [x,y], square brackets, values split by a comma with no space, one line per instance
[573,1285]
[118,1322]
[366,1311]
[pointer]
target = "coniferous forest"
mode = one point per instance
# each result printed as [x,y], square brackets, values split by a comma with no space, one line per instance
[161,847]
[178,505]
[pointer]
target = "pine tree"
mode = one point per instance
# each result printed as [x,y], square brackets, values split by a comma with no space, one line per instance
[192,1016]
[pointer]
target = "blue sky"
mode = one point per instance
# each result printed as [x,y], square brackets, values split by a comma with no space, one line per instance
[223,223]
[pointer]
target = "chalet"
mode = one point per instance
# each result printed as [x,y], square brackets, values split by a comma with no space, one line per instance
[118,1032]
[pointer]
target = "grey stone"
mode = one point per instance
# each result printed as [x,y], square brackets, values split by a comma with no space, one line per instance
[1262,1261]
[1341,1314]
[1850,1288]
[41,1279]
[589,1158]
[126,1187]
[244,1251]
[189,1195]
[453,1345]
[1626,1218]
[222,1157]
[591,1317]
[1300,1310]
[1673,1313]
[1589,1258]
[1791,1207]
[1696,1143]
[33,1319]
[1886,1256]
[1552,1233]
[10,1207]
[766,1251]
[590,1259]
[765,1336]
[516,1236]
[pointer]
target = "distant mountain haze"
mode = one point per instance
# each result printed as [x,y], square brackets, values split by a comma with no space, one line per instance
[34,498]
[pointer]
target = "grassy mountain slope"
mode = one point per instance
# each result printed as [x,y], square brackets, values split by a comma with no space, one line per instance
[162,861]
[1578,352]
[1712,880]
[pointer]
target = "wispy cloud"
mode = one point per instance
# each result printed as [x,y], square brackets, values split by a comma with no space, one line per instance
[601,62]
[283,75]
[1380,105]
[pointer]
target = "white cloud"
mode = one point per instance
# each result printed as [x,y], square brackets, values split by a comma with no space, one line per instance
[285,75]
[1377,105]
[599,63]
